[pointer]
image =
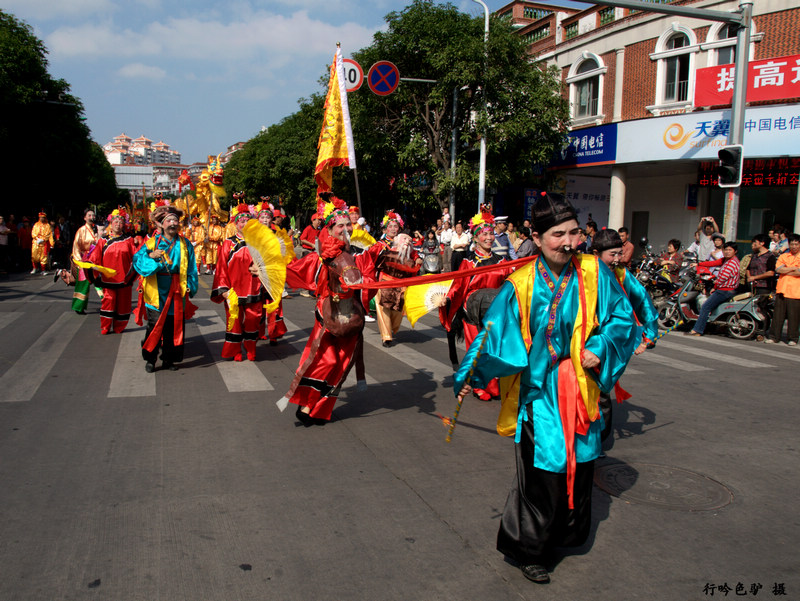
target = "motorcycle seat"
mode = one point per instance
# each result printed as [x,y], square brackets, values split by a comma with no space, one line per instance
[741,297]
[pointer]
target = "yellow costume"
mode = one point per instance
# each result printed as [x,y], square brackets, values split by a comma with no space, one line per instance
[230,230]
[198,240]
[42,235]
[216,234]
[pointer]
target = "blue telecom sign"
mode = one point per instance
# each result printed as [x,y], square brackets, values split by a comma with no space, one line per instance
[383,78]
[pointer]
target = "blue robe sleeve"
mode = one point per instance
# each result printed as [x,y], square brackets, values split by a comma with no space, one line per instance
[192,279]
[616,335]
[143,264]
[503,351]
[643,306]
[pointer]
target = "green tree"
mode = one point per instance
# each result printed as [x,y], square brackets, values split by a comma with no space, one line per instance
[407,135]
[279,162]
[47,153]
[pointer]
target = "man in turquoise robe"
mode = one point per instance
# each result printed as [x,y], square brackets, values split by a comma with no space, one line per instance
[607,247]
[559,331]
[168,268]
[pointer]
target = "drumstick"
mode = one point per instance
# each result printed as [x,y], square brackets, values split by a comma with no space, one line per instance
[469,377]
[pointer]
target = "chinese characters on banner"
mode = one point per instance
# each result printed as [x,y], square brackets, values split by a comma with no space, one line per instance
[757,172]
[768,79]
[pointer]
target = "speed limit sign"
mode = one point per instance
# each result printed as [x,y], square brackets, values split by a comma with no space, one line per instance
[353,75]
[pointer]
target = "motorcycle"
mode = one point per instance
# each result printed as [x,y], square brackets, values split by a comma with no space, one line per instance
[743,316]
[652,275]
[431,259]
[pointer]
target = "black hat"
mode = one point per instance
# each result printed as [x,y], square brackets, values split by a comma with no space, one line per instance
[606,239]
[550,210]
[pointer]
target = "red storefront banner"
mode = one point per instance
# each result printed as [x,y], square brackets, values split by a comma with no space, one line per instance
[768,79]
[780,172]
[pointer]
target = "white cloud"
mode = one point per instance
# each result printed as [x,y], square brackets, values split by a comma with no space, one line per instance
[47,9]
[263,36]
[141,71]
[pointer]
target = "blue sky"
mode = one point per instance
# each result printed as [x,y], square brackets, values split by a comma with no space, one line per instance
[202,75]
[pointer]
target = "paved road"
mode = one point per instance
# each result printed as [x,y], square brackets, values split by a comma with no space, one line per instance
[117,485]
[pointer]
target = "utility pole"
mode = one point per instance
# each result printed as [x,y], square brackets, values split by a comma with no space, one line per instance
[742,18]
[482,173]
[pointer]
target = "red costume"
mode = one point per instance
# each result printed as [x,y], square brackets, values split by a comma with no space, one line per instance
[115,308]
[233,273]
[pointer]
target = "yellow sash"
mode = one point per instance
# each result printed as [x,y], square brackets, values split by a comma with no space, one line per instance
[522,279]
[150,283]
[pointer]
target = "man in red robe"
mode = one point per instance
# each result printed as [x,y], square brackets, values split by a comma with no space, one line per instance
[236,273]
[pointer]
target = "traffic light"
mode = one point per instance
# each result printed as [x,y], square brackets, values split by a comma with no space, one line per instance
[731,162]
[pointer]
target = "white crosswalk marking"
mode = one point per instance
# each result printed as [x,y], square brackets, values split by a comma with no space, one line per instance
[16,384]
[239,376]
[750,347]
[129,378]
[653,357]
[8,318]
[437,370]
[713,355]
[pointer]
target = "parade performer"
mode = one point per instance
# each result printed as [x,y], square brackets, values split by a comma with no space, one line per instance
[337,335]
[198,238]
[453,313]
[236,284]
[272,322]
[168,271]
[85,239]
[397,260]
[115,251]
[607,246]
[42,236]
[216,234]
[562,330]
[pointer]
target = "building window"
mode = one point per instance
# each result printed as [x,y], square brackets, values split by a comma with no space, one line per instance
[535,13]
[676,83]
[606,15]
[537,34]
[727,54]
[675,54]
[585,80]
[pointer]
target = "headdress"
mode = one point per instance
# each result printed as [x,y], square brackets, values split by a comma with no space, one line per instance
[119,213]
[329,211]
[240,209]
[606,239]
[353,209]
[392,216]
[265,205]
[42,213]
[549,210]
[482,220]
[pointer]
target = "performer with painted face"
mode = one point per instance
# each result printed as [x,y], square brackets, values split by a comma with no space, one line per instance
[169,276]
[562,330]
[115,250]
[236,284]
[397,260]
[335,340]
[453,313]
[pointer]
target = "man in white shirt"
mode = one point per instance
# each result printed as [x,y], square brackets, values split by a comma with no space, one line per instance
[445,238]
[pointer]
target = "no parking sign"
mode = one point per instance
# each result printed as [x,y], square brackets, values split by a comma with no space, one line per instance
[383,78]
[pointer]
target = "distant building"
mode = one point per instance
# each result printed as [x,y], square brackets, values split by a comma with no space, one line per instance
[141,151]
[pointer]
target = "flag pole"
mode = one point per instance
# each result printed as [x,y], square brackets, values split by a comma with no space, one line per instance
[358,192]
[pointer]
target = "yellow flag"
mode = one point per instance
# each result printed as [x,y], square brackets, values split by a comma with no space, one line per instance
[335,144]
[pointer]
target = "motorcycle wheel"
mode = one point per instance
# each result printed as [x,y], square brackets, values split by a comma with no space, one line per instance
[667,317]
[742,326]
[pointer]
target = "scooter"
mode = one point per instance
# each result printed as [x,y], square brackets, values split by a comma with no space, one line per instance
[431,259]
[743,316]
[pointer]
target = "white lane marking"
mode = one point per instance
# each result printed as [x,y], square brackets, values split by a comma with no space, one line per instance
[129,378]
[751,347]
[239,376]
[19,383]
[663,361]
[8,318]
[711,354]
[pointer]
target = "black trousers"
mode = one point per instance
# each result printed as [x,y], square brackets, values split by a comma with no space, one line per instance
[537,517]
[785,309]
[169,352]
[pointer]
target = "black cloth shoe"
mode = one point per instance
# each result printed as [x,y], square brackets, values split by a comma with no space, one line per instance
[304,418]
[149,368]
[387,343]
[171,366]
[535,573]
